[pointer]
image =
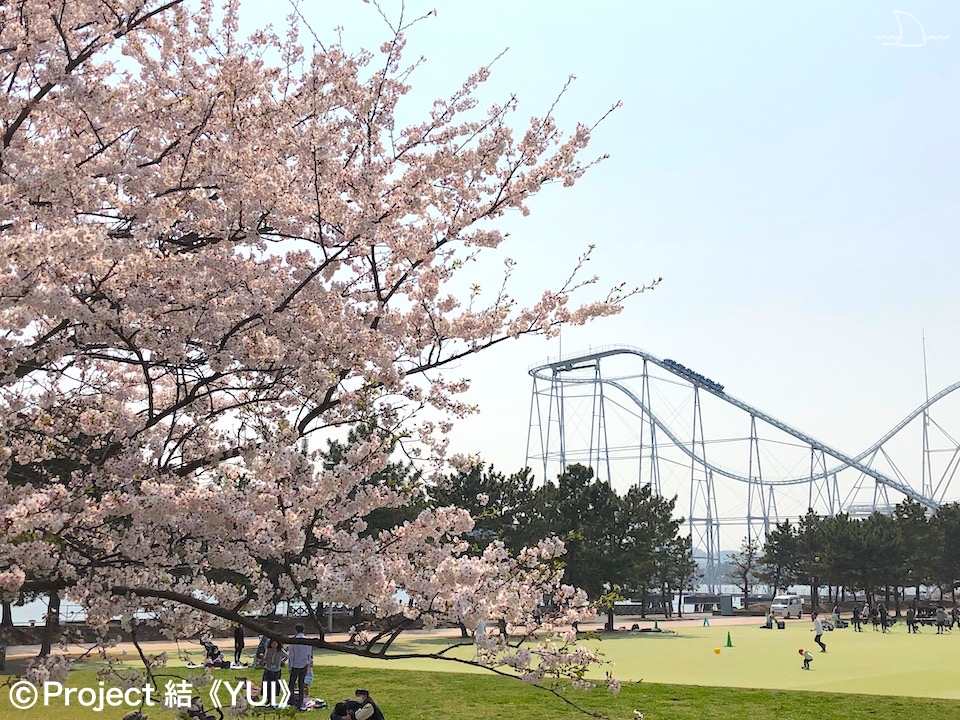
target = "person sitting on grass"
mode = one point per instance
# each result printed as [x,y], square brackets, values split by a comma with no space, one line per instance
[344,709]
[255,691]
[368,709]
[196,711]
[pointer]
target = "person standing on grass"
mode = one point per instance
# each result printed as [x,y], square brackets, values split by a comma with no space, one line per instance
[941,620]
[237,643]
[818,632]
[299,660]
[911,620]
[884,616]
[273,658]
[856,618]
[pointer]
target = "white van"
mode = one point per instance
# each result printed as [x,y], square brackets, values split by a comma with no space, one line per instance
[787,605]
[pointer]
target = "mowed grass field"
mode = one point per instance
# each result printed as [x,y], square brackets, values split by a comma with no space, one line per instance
[417,695]
[669,676]
[895,663]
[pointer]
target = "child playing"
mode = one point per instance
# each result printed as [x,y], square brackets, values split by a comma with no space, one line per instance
[807,659]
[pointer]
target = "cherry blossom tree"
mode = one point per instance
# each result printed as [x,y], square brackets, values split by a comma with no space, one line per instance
[218,251]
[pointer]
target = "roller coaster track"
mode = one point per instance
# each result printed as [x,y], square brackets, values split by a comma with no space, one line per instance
[902,424]
[548,371]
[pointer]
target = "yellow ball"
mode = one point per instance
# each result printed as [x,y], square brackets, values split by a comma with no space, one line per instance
[717,650]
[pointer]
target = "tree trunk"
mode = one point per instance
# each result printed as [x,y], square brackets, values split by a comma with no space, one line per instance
[680,604]
[610,618]
[51,625]
[326,624]
[6,622]
[463,630]
[643,605]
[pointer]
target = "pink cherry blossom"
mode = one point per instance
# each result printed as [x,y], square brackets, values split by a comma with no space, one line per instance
[218,252]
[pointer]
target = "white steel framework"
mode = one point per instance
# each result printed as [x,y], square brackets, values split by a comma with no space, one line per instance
[637,419]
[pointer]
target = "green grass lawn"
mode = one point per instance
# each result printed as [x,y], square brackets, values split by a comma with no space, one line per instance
[412,695]
[667,676]
[923,665]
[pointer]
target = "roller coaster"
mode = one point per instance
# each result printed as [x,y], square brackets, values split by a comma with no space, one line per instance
[638,419]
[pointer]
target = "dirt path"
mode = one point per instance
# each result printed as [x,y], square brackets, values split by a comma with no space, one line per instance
[623,622]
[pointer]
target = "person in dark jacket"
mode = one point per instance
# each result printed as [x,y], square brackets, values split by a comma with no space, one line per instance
[368,709]
[344,709]
[237,643]
[911,620]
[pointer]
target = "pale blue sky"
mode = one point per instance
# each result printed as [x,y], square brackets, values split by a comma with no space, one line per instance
[793,180]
